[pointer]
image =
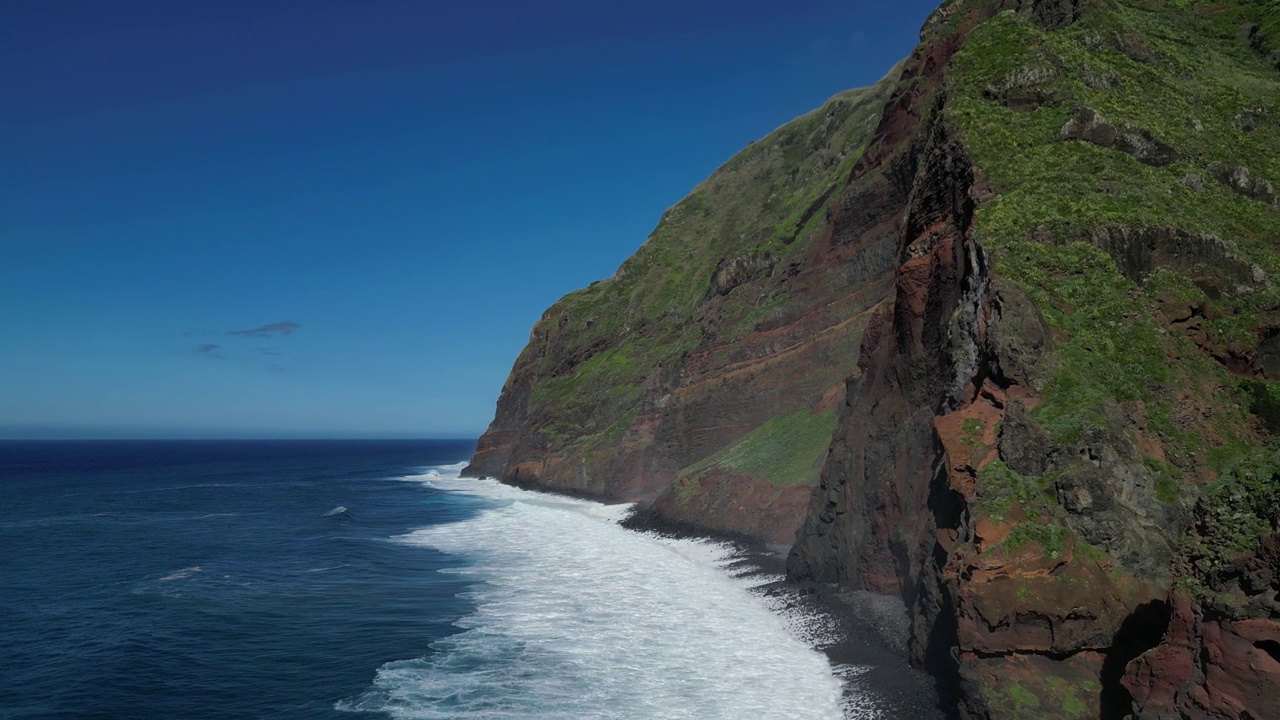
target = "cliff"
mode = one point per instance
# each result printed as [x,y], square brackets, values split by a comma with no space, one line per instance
[703,376]
[1007,323]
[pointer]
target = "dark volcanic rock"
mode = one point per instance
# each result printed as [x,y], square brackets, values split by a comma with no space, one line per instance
[1220,656]
[1090,126]
[729,274]
[1008,465]
[1024,88]
[1242,181]
[1143,146]
[1023,441]
[1251,119]
[1203,257]
[1110,497]
[1020,336]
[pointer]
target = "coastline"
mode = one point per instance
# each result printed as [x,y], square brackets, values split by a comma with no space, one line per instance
[639,624]
[863,635]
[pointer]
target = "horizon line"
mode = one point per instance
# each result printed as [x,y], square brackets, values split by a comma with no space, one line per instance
[240,438]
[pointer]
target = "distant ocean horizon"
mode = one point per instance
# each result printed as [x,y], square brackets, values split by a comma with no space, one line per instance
[338,579]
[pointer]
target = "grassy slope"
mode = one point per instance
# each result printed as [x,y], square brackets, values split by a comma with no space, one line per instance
[1181,70]
[786,450]
[762,207]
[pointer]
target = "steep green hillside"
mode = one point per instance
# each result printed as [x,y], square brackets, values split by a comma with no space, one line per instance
[1008,324]
[1154,256]
[753,217]
[1075,400]
[1151,260]
[725,317]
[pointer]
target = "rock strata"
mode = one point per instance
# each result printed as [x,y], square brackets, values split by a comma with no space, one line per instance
[972,361]
[1090,126]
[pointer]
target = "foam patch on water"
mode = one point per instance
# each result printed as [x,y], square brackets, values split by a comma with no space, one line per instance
[182,574]
[577,617]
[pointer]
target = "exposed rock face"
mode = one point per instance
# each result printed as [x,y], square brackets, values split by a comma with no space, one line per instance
[942,374]
[1045,367]
[1110,497]
[1220,656]
[1241,180]
[934,489]
[1203,257]
[1088,125]
[1251,119]
[878,470]
[742,307]
[1208,668]
[1024,88]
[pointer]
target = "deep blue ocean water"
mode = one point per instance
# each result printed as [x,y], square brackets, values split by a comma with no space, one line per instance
[335,580]
[215,579]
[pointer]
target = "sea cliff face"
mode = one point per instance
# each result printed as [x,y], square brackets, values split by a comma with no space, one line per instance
[703,376]
[1015,348]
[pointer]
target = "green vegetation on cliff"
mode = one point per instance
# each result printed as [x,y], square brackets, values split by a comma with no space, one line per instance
[707,277]
[786,450]
[1176,70]
[1037,444]
[1127,157]
[1081,219]
[1131,159]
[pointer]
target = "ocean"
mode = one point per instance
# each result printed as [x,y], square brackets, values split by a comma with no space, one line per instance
[341,580]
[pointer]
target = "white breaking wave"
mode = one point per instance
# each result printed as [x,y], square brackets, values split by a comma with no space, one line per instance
[182,574]
[577,617]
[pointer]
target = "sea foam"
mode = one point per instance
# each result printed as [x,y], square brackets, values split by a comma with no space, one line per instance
[576,617]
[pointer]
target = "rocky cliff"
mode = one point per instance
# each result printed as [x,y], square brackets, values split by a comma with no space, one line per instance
[703,376]
[1008,325]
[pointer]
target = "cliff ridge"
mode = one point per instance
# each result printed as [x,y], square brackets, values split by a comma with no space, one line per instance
[998,337]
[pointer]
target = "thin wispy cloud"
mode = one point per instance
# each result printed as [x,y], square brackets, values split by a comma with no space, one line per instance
[276,329]
[252,346]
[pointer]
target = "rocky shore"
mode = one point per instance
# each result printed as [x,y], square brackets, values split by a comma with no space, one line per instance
[864,635]
[995,341]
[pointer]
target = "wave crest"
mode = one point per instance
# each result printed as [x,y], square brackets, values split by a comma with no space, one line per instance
[577,617]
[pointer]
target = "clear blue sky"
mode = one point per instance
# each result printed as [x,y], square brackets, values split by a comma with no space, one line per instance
[321,218]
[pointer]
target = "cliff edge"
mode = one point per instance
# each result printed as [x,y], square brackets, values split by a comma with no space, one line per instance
[1000,336]
[703,376]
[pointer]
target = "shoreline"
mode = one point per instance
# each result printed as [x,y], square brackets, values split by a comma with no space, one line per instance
[864,631]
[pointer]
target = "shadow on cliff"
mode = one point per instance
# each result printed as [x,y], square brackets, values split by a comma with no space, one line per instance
[1141,631]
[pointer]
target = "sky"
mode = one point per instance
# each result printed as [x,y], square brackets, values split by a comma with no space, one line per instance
[323,218]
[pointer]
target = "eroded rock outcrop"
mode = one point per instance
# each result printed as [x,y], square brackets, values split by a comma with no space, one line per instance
[1208,667]
[1205,258]
[1024,88]
[1035,563]
[1088,125]
[1243,181]
[659,384]
[1032,368]
[1220,656]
